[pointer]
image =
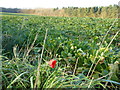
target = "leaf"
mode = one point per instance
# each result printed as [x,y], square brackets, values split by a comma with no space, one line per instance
[31,81]
[16,79]
[111,81]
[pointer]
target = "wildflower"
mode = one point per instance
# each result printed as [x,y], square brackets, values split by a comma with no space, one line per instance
[72,47]
[52,63]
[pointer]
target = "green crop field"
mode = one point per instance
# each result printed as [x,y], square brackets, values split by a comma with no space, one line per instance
[87,52]
[14,14]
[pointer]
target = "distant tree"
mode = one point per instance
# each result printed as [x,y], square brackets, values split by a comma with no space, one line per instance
[55,9]
[95,9]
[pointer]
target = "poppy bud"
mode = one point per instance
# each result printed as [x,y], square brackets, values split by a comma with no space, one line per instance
[52,63]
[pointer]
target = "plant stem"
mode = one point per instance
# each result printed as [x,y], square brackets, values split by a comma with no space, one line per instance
[104,52]
[75,66]
[37,82]
[100,47]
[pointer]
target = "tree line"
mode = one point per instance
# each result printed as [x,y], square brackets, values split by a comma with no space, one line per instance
[110,11]
[11,10]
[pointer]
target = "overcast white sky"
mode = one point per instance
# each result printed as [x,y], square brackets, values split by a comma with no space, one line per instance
[55,3]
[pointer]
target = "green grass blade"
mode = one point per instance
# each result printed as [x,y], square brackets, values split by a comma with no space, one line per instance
[16,79]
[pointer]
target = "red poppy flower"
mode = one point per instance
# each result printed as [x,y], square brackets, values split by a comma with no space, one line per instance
[52,63]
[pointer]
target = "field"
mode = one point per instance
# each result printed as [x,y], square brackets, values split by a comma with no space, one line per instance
[14,14]
[87,51]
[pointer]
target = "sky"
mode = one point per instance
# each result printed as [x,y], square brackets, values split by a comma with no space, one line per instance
[55,3]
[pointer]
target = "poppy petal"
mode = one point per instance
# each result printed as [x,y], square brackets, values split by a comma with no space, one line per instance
[52,63]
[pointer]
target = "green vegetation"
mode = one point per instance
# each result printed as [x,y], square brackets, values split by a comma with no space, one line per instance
[87,51]
[18,14]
